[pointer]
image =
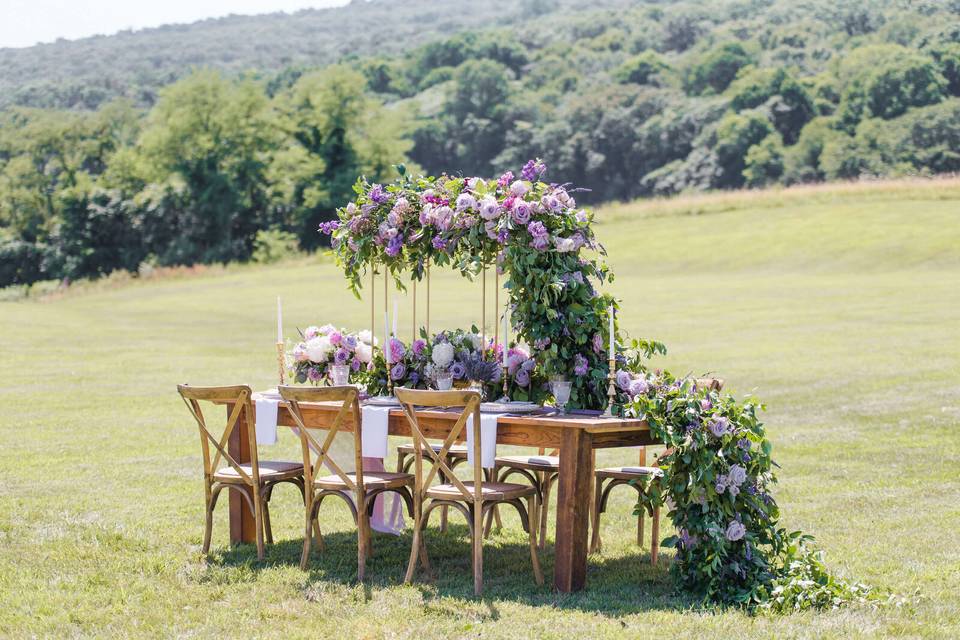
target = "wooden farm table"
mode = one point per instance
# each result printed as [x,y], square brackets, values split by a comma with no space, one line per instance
[576,436]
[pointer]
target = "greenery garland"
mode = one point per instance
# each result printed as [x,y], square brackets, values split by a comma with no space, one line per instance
[718,467]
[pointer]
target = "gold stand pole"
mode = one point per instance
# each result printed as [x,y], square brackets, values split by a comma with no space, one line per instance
[281,360]
[373,323]
[496,305]
[386,331]
[611,389]
[483,311]
[414,313]
[428,298]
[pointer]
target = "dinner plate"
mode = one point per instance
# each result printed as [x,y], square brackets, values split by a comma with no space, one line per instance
[382,401]
[509,407]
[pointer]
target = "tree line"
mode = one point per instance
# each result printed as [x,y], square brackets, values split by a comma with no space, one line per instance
[632,101]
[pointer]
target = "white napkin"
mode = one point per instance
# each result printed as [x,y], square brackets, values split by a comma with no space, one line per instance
[266,422]
[373,439]
[545,460]
[488,439]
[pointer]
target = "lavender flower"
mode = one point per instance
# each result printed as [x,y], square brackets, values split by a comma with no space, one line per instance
[439,243]
[329,227]
[580,365]
[505,179]
[394,245]
[735,531]
[533,170]
[378,195]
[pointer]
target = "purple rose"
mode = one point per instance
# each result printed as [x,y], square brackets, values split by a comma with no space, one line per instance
[417,347]
[489,208]
[550,202]
[355,364]
[719,427]
[466,202]
[624,379]
[335,337]
[414,378]
[491,229]
[537,230]
[582,217]
[580,365]
[639,387]
[521,212]
[442,218]
[341,356]
[523,377]
[350,342]
[743,443]
[706,405]
[398,371]
[735,531]
[458,370]
[397,350]
[314,374]
[519,188]
[597,343]
[737,475]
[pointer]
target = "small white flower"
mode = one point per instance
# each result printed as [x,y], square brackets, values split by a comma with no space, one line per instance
[364,352]
[442,354]
[564,244]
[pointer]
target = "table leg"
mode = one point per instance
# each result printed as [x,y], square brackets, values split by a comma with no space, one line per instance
[242,524]
[573,510]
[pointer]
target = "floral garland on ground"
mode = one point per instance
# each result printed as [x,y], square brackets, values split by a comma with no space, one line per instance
[532,231]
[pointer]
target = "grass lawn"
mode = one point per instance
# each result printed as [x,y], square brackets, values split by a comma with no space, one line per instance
[839,306]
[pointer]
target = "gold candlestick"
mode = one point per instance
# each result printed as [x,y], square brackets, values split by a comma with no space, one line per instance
[281,360]
[611,389]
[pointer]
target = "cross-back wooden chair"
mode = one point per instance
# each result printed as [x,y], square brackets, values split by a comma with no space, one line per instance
[455,456]
[542,470]
[254,480]
[638,477]
[363,485]
[473,498]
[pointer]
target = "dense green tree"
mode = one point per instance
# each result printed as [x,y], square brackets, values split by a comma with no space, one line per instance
[764,162]
[717,68]
[735,134]
[647,68]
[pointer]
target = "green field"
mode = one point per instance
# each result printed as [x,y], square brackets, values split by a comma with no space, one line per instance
[839,306]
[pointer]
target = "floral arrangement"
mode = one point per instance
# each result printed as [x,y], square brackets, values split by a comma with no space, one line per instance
[323,347]
[717,488]
[531,230]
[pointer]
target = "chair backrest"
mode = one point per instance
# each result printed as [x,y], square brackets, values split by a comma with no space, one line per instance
[469,401]
[349,399]
[239,397]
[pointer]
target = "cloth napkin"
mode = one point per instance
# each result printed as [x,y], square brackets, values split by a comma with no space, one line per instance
[488,439]
[266,418]
[373,439]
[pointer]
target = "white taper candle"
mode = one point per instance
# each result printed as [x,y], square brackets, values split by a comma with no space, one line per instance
[612,354]
[279,321]
[386,337]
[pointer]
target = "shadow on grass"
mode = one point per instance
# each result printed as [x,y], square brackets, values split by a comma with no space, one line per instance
[617,585]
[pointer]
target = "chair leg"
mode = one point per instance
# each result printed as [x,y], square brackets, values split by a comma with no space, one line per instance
[532,517]
[655,541]
[308,526]
[543,509]
[267,528]
[363,539]
[208,528]
[318,536]
[595,542]
[258,521]
[640,529]
[491,475]
[417,543]
[477,539]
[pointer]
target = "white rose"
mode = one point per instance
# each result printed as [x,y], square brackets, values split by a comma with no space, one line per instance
[364,351]
[318,349]
[477,340]
[442,354]
[364,336]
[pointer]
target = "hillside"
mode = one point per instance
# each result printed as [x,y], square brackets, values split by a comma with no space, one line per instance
[621,99]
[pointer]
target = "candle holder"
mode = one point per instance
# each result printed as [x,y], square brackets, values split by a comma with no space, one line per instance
[389,377]
[611,389]
[505,398]
[281,360]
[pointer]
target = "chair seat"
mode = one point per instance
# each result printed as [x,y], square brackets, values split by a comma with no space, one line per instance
[534,463]
[270,470]
[371,480]
[628,473]
[489,491]
[456,450]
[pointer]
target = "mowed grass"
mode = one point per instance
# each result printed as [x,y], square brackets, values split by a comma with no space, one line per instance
[839,306]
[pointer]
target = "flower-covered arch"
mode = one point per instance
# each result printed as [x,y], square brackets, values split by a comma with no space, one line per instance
[530,230]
